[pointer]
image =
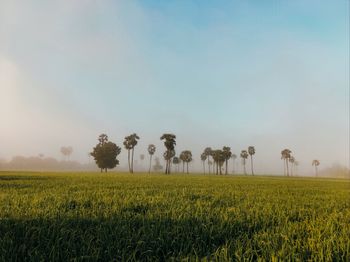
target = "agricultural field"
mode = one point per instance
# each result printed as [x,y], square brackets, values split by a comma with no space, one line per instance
[124,217]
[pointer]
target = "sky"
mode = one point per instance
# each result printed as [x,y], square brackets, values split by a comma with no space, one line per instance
[272,74]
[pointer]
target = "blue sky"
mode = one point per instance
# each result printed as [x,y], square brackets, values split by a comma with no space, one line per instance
[273,74]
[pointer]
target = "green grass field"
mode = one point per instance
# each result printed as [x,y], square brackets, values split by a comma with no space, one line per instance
[123,217]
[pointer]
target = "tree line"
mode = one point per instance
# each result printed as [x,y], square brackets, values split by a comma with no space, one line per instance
[105,154]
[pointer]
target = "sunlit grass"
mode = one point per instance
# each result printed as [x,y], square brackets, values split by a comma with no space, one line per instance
[62,216]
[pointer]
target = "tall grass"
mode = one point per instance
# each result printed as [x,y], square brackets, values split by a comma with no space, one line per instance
[122,217]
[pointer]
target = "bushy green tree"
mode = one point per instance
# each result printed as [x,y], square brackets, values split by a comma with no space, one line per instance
[105,153]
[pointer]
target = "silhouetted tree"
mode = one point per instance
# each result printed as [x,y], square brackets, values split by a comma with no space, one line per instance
[157,166]
[203,158]
[66,151]
[129,143]
[234,157]
[286,154]
[169,143]
[168,156]
[105,153]
[219,160]
[296,164]
[207,151]
[227,155]
[251,151]
[244,156]
[186,157]
[291,161]
[316,163]
[151,150]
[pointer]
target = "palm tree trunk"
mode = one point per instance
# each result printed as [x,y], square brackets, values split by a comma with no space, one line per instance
[183,167]
[208,166]
[204,167]
[187,166]
[316,171]
[287,167]
[245,171]
[284,167]
[150,164]
[226,166]
[129,160]
[132,161]
[251,164]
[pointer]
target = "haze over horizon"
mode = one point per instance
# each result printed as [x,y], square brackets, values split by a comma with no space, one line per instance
[270,74]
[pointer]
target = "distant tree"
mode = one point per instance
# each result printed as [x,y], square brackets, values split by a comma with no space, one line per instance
[157,166]
[251,151]
[176,162]
[296,164]
[286,154]
[168,156]
[129,143]
[291,161]
[207,151]
[183,158]
[316,163]
[227,155]
[210,163]
[186,157]
[169,143]
[234,157]
[203,158]
[219,160]
[142,157]
[151,150]
[105,153]
[66,151]
[244,156]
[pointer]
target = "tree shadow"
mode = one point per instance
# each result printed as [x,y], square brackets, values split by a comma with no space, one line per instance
[120,237]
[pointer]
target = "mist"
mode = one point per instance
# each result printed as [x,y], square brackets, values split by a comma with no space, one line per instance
[216,77]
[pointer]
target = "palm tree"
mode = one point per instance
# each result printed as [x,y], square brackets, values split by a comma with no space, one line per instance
[251,151]
[234,156]
[151,151]
[207,151]
[168,156]
[244,156]
[316,163]
[286,155]
[203,158]
[186,157]
[129,143]
[169,143]
[219,159]
[227,155]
